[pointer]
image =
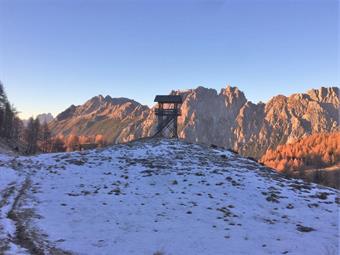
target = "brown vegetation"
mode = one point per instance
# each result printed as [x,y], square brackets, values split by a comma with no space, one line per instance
[76,143]
[308,158]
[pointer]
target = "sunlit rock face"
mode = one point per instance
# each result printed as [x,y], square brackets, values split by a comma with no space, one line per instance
[99,115]
[209,117]
[225,119]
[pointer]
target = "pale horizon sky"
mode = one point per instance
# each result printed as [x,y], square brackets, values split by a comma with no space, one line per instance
[57,53]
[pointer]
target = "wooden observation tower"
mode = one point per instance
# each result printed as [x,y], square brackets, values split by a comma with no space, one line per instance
[167,112]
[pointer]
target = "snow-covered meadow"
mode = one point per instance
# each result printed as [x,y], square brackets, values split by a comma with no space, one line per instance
[163,196]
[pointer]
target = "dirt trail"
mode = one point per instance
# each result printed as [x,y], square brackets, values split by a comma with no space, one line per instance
[8,242]
[15,235]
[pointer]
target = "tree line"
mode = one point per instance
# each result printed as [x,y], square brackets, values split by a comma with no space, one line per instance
[38,138]
[73,142]
[29,139]
[315,151]
[314,158]
[35,136]
[10,124]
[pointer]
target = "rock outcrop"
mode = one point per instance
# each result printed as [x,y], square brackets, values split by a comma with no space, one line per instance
[45,117]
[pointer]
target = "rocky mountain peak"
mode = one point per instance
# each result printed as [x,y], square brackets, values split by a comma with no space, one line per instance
[233,96]
[230,90]
[325,95]
[108,98]
[96,99]
[45,117]
[202,92]
[67,113]
[276,102]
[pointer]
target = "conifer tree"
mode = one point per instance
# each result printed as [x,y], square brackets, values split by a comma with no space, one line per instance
[46,138]
[32,136]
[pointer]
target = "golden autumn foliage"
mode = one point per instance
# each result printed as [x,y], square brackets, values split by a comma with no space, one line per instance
[312,152]
[99,139]
[75,143]
[72,142]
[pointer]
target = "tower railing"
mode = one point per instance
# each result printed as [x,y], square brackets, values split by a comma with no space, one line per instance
[170,112]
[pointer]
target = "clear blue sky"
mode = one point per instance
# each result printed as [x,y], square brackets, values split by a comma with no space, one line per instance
[57,53]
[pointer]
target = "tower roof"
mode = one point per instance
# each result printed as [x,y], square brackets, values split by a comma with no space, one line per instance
[168,99]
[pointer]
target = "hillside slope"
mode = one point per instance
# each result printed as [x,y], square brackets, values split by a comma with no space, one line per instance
[226,118]
[160,195]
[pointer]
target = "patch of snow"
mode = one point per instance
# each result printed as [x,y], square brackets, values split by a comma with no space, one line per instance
[175,197]
[10,181]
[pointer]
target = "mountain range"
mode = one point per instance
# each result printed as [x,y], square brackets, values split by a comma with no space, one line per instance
[224,119]
[43,117]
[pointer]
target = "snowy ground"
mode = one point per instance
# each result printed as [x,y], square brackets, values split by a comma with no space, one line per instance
[160,196]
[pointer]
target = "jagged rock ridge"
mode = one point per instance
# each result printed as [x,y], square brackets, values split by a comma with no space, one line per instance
[226,119]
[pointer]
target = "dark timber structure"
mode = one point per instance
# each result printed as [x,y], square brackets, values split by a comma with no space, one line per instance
[167,112]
